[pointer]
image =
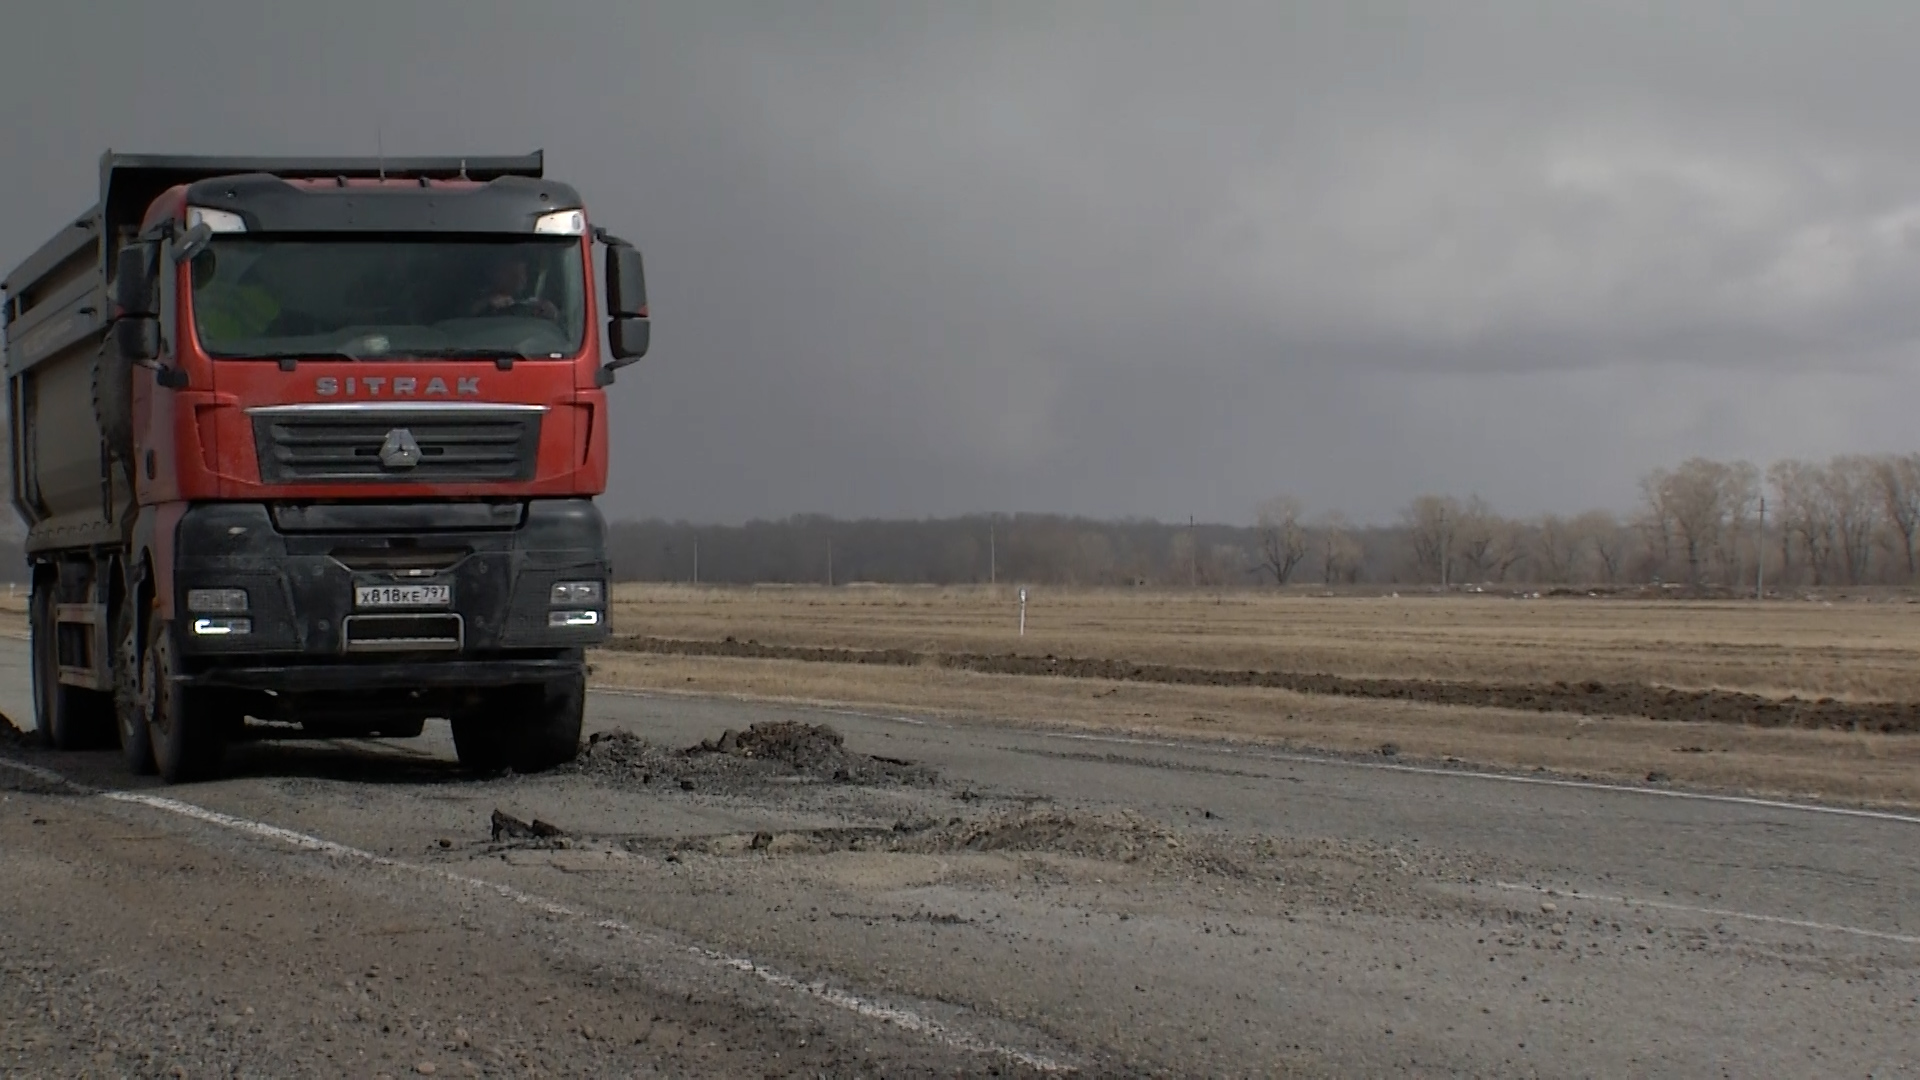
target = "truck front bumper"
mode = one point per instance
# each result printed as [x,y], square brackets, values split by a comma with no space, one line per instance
[378,677]
[459,590]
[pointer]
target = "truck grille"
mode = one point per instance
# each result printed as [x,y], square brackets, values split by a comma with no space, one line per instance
[361,442]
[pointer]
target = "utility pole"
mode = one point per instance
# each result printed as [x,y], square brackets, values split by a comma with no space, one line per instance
[696,558]
[829,562]
[1193,556]
[1760,554]
[993,558]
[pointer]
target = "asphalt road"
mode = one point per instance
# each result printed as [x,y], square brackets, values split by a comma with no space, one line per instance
[1046,902]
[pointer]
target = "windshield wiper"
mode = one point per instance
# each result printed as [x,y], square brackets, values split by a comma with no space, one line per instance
[288,361]
[502,358]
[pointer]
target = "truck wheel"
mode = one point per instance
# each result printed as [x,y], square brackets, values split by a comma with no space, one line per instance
[65,717]
[529,731]
[129,705]
[188,739]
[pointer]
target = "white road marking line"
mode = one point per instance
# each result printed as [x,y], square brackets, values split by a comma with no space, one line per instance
[35,771]
[1298,759]
[819,990]
[1720,913]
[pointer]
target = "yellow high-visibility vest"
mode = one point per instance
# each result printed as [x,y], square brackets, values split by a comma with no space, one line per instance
[227,315]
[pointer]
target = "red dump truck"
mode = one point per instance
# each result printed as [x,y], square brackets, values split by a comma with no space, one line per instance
[309,448]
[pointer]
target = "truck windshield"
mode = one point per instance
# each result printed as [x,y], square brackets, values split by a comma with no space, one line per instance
[389,298]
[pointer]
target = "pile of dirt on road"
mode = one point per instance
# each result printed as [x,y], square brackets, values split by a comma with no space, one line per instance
[1580,698]
[763,752]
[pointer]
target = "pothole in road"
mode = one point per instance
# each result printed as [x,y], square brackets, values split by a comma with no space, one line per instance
[1123,837]
[782,751]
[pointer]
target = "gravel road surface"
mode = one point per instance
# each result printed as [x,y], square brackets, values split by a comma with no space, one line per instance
[741,890]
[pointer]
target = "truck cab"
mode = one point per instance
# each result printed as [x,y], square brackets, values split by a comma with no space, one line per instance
[310,448]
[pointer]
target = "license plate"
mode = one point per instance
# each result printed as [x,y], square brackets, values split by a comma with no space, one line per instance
[380,596]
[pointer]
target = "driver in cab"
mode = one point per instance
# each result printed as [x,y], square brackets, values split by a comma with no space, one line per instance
[505,291]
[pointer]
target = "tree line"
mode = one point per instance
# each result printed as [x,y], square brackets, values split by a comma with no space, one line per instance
[1851,520]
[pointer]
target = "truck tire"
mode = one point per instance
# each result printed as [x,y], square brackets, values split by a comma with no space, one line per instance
[129,707]
[65,717]
[189,739]
[529,731]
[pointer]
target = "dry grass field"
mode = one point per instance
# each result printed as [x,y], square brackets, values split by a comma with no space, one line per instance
[1862,654]
[1854,650]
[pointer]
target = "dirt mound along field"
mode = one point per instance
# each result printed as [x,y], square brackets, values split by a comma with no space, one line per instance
[764,751]
[1581,699]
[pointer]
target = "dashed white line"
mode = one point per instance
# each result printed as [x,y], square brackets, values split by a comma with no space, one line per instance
[1718,913]
[898,1017]
[1296,759]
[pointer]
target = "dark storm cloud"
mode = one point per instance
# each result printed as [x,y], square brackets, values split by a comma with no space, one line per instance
[1126,259]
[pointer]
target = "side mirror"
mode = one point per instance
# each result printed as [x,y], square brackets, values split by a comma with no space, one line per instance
[628,338]
[629,329]
[137,338]
[134,295]
[626,283]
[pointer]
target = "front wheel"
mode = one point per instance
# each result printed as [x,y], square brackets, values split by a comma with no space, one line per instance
[529,730]
[189,739]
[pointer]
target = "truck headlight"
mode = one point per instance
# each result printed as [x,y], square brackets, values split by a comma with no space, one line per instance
[576,592]
[216,601]
[221,627]
[567,620]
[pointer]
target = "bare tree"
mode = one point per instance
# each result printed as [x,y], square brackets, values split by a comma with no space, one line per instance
[1602,534]
[1512,546]
[1898,478]
[1339,554]
[1431,522]
[1853,497]
[1478,536]
[1557,547]
[1655,524]
[1283,542]
[1805,515]
[1698,507]
[1739,499]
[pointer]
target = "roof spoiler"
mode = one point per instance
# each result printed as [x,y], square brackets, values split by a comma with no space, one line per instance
[129,182]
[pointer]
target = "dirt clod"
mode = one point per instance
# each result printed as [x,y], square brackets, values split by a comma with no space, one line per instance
[508,827]
[761,753]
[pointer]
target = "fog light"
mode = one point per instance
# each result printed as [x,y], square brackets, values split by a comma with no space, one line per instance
[216,601]
[575,592]
[559,620]
[221,627]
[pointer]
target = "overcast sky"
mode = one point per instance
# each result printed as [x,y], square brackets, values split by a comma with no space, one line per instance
[1124,258]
